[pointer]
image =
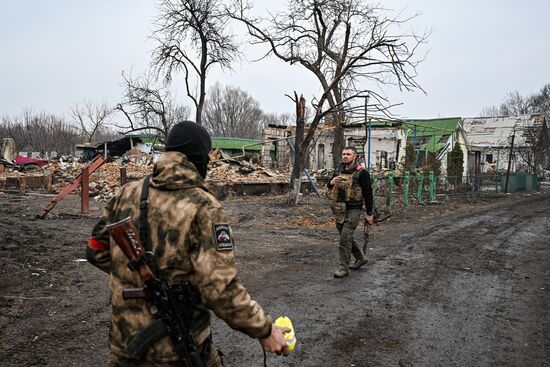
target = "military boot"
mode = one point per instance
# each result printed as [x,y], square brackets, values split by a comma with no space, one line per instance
[358,263]
[341,272]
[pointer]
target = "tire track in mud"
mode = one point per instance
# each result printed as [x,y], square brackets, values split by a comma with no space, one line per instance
[456,292]
[462,301]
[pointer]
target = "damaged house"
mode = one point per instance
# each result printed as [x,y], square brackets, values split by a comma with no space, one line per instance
[386,145]
[484,141]
[489,140]
[239,147]
[437,136]
[116,148]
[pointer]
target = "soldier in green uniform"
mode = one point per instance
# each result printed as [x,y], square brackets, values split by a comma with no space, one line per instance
[351,186]
[191,240]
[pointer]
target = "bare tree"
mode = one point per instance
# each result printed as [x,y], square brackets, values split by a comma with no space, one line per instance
[149,107]
[345,44]
[514,104]
[540,103]
[40,132]
[491,111]
[192,37]
[92,119]
[283,119]
[230,111]
[536,149]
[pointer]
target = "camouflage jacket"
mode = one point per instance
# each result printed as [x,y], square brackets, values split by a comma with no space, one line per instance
[185,226]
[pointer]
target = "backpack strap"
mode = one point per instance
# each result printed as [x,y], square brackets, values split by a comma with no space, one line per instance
[143,213]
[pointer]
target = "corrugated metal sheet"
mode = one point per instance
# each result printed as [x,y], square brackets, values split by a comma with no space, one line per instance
[238,143]
[493,132]
[443,126]
[434,144]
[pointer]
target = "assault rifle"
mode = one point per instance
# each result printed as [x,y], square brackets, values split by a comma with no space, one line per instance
[172,302]
[377,219]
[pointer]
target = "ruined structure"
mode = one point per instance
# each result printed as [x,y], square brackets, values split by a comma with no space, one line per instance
[489,140]
[386,145]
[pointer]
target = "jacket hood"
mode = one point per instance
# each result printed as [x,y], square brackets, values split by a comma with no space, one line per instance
[174,171]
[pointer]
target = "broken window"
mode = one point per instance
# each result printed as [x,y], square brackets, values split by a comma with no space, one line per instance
[383,160]
[321,156]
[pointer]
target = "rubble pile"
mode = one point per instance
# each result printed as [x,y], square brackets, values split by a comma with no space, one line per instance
[106,179]
[234,171]
[103,182]
[224,168]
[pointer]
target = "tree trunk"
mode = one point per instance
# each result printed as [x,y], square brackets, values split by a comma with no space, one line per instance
[298,165]
[338,143]
[295,189]
[299,152]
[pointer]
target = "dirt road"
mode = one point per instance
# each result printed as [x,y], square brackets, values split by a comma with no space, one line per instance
[461,284]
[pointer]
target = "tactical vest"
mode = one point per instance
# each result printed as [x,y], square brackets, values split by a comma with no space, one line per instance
[347,194]
[348,190]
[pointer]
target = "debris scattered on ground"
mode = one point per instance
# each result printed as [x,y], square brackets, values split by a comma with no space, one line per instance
[106,180]
[235,171]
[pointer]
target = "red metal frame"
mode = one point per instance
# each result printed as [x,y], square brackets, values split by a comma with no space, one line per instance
[73,185]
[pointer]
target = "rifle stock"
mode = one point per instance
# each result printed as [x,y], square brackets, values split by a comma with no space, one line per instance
[126,236]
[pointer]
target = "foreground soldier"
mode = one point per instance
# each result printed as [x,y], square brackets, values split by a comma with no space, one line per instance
[187,231]
[351,185]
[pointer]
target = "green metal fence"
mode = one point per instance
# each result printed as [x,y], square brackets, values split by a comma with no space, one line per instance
[392,187]
[521,182]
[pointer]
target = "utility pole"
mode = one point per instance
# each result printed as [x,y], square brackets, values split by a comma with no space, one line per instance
[369,133]
[366,147]
[510,160]
[366,128]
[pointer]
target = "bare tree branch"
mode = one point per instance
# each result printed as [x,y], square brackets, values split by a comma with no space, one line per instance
[192,36]
[92,119]
[347,44]
[149,107]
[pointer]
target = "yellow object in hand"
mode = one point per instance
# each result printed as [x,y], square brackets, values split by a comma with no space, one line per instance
[290,337]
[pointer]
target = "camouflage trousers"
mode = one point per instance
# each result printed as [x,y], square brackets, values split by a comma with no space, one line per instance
[348,245]
[212,358]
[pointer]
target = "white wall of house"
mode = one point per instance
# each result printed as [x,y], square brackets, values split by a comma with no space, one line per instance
[320,156]
[281,157]
[460,138]
[387,146]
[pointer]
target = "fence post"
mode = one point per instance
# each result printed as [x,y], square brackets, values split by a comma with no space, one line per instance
[374,191]
[389,190]
[406,180]
[419,184]
[432,187]
[123,176]
[85,191]
[22,184]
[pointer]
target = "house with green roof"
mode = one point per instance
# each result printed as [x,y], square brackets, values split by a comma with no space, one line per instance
[237,147]
[437,136]
[387,143]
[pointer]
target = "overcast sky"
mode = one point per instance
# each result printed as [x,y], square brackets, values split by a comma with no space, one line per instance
[57,53]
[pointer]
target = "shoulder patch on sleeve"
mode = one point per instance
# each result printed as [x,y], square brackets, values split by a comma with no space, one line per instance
[224,239]
[358,168]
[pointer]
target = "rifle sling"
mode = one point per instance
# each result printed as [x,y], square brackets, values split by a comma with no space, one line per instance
[139,344]
[143,214]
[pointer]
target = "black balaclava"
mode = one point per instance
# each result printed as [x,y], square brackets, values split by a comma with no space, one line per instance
[192,140]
